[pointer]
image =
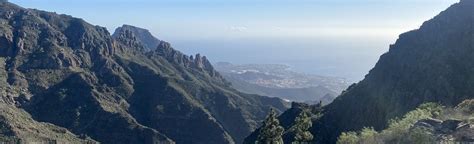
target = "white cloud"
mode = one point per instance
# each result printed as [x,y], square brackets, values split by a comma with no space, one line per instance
[238,28]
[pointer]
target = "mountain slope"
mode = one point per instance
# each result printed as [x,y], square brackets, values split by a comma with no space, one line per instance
[431,64]
[18,126]
[193,78]
[64,71]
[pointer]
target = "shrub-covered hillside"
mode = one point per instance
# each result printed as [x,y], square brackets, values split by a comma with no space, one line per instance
[429,123]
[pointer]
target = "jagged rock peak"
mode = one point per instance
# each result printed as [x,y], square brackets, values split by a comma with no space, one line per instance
[128,38]
[141,38]
[198,62]
[142,35]
[202,62]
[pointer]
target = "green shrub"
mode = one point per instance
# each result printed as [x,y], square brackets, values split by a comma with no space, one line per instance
[418,136]
[398,130]
[348,138]
[368,135]
[271,132]
[301,128]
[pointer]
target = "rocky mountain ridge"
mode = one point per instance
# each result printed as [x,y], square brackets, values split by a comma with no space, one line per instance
[66,80]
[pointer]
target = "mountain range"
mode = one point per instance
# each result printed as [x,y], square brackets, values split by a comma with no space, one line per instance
[65,80]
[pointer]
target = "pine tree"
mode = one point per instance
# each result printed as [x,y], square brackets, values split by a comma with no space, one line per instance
[271,131]
[301,129]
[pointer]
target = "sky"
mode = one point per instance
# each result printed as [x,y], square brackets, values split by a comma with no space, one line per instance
[341,38]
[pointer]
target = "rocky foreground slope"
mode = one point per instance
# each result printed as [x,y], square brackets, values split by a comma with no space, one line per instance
[431,64]
[65,80]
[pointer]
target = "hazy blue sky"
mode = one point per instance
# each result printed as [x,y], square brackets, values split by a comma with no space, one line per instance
[327,37]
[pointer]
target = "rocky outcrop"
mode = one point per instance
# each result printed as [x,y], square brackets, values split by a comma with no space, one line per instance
[129,39]
[142,35]
[448,130]
[197,62]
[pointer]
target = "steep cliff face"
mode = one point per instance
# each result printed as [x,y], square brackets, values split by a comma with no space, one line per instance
[431,64]
[65,72]
[143,36]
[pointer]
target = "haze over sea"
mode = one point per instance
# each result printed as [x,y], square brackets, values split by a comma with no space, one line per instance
[327,37]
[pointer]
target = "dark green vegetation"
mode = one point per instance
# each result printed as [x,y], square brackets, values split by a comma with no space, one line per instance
[62,79]
[431,64]
[398,131]
[296,122]
[271,131]
[429,123]
[301,128]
